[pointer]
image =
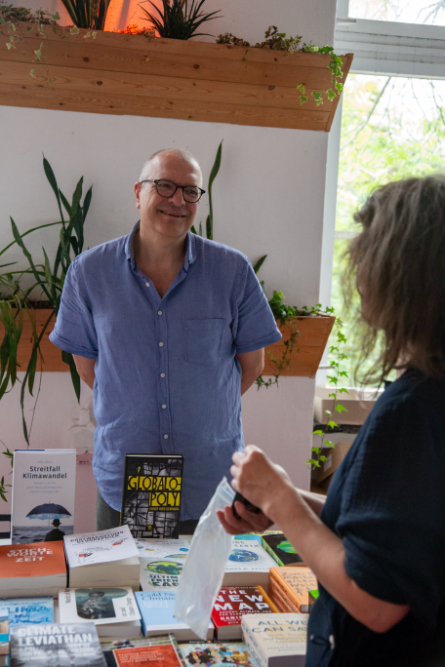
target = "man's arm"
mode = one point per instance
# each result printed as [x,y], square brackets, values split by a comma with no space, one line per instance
[252,364]
[85,368]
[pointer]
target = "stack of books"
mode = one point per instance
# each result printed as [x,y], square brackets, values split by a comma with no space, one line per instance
[289,588]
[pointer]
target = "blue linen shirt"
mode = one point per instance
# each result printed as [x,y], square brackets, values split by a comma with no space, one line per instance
[167,376]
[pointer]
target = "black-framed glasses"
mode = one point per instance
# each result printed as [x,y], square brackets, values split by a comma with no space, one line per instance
[166,188]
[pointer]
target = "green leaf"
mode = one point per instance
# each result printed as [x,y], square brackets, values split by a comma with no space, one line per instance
[332,424]
[318,97]
[68,359]
[323,458]
[317,432]
[313,462]
[315,449]
[331,94]
[38,53]
[303,99]
[259,264]
[74,30]
[56,16]
[341,408]
[301,88]
[53,183]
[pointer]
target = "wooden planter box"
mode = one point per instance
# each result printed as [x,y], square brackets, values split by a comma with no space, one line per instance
[130,74]
[310,345]
[52,355]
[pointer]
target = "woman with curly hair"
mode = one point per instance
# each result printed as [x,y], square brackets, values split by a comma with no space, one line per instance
[377,542]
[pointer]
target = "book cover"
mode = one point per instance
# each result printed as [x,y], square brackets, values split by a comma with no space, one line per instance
[217,654]
[276,639]
[295,583]
[161,561]
[161,655]
[234,601]
[28,611]
[101,605]
[110,647]
[58,645]
[33,568]
[156,608]
[103,546]
[4,635]
[151,494]
[281,550]
[257,536]
[43,486]
[248,564]
[279,597]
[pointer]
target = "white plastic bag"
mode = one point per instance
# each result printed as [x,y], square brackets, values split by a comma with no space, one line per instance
[204,568]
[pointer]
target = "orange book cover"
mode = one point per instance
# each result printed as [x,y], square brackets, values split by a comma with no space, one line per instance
[147,656]
[281,599]
[296,582]
[39,559]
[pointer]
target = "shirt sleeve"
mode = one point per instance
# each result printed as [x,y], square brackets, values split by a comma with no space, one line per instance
[391,520]
[256,327]
[75,331]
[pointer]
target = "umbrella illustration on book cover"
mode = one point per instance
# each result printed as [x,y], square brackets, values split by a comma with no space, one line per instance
[58,523]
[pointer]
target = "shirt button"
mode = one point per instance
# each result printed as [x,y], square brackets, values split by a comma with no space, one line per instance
[161,344]
[164,406]
[165,437]
[162,375]
[147,284]
[159,312]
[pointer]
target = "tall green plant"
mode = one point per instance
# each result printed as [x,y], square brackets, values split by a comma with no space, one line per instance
[15,303]
[178,19]
[87,13]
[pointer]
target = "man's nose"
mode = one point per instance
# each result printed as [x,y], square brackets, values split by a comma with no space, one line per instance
[178,197]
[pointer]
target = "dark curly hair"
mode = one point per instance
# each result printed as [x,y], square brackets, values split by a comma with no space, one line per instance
[398,265]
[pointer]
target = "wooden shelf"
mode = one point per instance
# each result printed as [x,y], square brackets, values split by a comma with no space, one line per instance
[131,74]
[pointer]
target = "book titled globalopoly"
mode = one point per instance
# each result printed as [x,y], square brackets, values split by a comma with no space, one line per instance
[61,644]
[32,569]
[102,558]
[43,487]
[232,602]
[151,494]
[248,564]
[276,640]
[161,561]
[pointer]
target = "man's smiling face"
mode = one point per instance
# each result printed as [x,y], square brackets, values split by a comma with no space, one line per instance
[168,216]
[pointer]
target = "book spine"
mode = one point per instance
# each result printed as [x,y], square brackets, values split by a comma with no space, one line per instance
[271,552]
[267,599]
[282,601]
[254,647]
[284,586]
[284,598]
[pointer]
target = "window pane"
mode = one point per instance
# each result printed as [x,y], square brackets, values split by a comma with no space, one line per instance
[431,12]
[392,128]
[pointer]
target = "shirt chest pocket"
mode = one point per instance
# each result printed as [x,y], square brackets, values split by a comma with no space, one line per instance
[204,340]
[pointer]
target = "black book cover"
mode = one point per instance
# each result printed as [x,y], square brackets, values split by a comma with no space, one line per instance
[281,550]
[151,495]
[58,644]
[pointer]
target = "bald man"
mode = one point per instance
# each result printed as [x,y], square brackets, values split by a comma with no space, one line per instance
[169,330]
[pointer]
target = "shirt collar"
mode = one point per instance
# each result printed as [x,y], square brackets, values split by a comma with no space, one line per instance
[190,250]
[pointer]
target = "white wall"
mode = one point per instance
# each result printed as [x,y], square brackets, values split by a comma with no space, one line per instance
[268,198]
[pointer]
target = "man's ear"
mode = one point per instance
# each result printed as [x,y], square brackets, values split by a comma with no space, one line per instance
[137,193]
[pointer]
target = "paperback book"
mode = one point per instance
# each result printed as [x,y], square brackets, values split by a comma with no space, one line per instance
[28,611]
[56,645]
[248,564]
[43,486]
[156,608]
[294,584]
[158,651]
[112,610]
[151,494]
[234,601]
[161,561]
[32,569]
[217,654]
[4,637]
[103,558]
[281,550]
[276,640]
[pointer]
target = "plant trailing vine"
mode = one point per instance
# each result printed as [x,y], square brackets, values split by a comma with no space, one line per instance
[278,41]
[336,351]
[15,301]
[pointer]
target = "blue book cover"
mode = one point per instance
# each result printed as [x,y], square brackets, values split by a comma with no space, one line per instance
[156,609]
[25,611]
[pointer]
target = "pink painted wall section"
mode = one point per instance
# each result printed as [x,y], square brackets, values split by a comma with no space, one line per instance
[86,491]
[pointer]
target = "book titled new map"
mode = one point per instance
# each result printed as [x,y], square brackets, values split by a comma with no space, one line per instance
[103,558]
[248,564]
[161,561]
[234,601]
[43,486]
[64,645]
[151,494]
[276,640]
[32,569]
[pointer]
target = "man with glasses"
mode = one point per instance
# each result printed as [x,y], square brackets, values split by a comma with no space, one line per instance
[169,330]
